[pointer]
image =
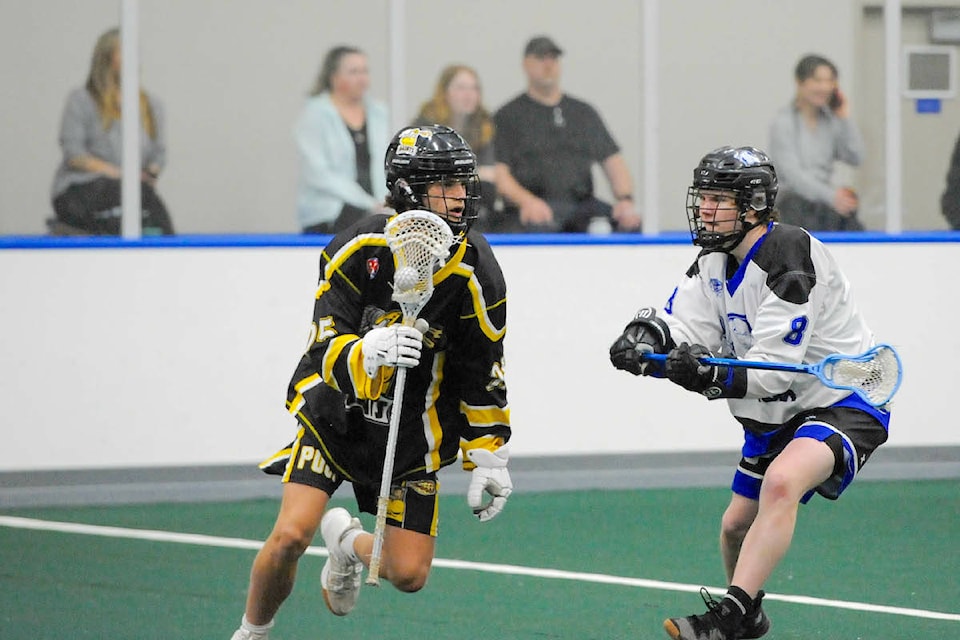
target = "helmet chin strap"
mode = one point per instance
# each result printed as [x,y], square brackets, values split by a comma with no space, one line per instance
[735,238]
[745,228]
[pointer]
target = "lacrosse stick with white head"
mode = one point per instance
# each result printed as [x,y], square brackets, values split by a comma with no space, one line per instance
[420,242]
[874,375]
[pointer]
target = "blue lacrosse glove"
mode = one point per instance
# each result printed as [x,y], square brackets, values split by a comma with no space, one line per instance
[684,368]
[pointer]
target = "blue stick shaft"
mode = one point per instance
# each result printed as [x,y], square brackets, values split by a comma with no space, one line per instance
[746,364]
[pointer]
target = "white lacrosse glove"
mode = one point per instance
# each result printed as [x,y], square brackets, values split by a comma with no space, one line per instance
[490,476]
[394,346]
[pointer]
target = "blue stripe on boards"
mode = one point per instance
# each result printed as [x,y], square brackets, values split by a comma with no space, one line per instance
[204,241]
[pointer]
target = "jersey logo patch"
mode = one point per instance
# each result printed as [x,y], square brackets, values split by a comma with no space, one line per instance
[377,411]
[373,267]
[423,487]
[740,327]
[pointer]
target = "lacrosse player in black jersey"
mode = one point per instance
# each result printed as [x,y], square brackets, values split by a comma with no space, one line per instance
[454,396]
[762,291]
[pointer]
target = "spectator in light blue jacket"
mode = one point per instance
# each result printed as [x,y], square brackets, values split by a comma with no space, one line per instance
[341,136]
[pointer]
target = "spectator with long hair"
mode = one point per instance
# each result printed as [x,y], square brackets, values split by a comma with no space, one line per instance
[457,102]
[86,189]
[340,135]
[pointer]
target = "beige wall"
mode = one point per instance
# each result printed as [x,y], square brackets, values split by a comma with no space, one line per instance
[233,75]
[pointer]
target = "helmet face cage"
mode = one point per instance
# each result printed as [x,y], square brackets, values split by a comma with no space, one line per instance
[746,172]
[421,156]
[713,240]
[415,191]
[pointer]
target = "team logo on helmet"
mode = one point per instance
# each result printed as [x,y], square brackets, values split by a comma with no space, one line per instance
[407,144]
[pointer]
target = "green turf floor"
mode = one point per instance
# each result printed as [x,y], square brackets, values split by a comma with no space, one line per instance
[884,543]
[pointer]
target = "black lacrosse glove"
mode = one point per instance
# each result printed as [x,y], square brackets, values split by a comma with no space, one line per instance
[683,367]
[646,333]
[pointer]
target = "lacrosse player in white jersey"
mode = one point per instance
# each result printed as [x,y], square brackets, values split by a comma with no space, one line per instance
[759,290]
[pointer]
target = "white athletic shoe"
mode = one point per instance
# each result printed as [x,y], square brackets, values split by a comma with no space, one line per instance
[340,577]
[246,634]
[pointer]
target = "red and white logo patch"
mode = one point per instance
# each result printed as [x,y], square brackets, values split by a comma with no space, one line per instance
[373,267]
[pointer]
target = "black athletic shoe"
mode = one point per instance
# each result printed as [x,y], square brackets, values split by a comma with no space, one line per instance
[721,622]
[755,624]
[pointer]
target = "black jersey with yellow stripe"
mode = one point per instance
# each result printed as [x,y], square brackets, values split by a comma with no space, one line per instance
[455,397]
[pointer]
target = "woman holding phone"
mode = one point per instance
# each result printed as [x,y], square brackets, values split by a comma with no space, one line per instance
[806,137]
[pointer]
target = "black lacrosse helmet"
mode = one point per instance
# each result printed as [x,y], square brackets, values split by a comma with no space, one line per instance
[419,156]
[749,173]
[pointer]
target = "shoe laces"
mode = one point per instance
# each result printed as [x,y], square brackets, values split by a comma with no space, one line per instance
[341,575]
[718,611]
[710,601]
[344,572]
[757,601]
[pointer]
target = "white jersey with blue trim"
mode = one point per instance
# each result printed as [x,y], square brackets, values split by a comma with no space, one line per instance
[787,302]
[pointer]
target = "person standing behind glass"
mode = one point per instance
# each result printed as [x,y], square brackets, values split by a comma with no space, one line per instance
[457,102]
[806,138]
[86,189]
[341,181]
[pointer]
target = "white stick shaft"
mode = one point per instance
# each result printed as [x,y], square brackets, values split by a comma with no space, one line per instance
[386,481]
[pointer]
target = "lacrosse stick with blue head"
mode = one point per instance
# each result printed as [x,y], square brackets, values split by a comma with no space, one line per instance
[874,375]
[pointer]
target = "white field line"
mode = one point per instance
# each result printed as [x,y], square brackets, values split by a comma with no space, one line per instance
[554,574]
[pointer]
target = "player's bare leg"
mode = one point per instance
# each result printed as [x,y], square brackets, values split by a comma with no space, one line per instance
[275,567]
[407,557]
[803,464]
[754,538]
[734,525]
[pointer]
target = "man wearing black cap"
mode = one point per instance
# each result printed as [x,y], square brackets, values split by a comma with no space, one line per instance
[541,46]
[546,143]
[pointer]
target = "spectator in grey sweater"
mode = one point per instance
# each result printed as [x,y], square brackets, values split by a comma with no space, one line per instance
[806,138]
[86,188]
